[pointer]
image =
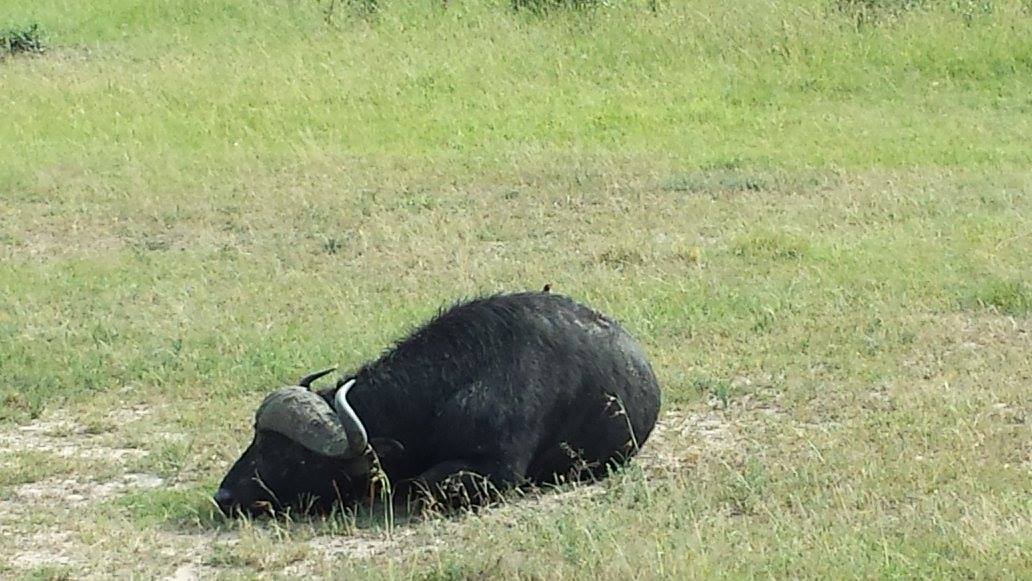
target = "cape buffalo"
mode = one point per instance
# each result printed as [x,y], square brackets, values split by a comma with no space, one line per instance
[528,388]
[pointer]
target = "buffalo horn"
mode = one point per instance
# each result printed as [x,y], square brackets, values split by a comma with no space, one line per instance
[306,381]
[356,432]
[307,419]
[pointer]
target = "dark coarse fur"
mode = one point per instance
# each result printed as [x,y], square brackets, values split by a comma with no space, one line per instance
[518,388]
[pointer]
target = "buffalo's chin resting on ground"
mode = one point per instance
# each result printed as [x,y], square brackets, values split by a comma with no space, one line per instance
[494,393]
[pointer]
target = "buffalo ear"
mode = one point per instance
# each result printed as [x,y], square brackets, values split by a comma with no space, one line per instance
[390,454]
[387,447]
[385,452]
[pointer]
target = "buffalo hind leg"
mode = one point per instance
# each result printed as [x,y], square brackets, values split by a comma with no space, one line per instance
[458,484]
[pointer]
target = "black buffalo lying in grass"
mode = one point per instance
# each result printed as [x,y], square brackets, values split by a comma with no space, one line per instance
[498,392]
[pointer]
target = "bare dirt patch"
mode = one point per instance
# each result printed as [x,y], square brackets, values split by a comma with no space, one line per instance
[971,342]
[66,438]
[682,437]
[191,572]
[62,438]
[354,547]
[72,492]
[328,549]
[45,549]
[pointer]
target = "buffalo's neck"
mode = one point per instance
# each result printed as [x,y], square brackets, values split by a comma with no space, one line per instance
[393,407]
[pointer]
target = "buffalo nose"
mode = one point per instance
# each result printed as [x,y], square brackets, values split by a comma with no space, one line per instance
[223,498]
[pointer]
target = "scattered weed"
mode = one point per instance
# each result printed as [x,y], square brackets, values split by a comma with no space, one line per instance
[886,11]
[718,183]
[51,573]
[1008,296]
[711,387]
[27,40]
[542,6]
[771,245]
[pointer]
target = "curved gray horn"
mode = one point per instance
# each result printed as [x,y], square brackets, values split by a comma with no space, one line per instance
[306,381]
[356,432]
[305,418]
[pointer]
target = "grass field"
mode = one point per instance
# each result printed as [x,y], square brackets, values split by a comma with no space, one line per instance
[818,224]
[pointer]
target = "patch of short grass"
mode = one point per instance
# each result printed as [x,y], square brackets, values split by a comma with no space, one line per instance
[50,573]
[771,246]
[182,507]
[1011,296]
[28,466]
[253,554]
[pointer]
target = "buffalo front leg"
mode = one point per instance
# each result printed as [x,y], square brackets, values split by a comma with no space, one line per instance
[456,484]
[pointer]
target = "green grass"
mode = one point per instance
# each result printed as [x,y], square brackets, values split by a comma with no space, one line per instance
[817,225]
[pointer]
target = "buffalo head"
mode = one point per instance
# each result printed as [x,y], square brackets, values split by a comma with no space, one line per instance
[306,453]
